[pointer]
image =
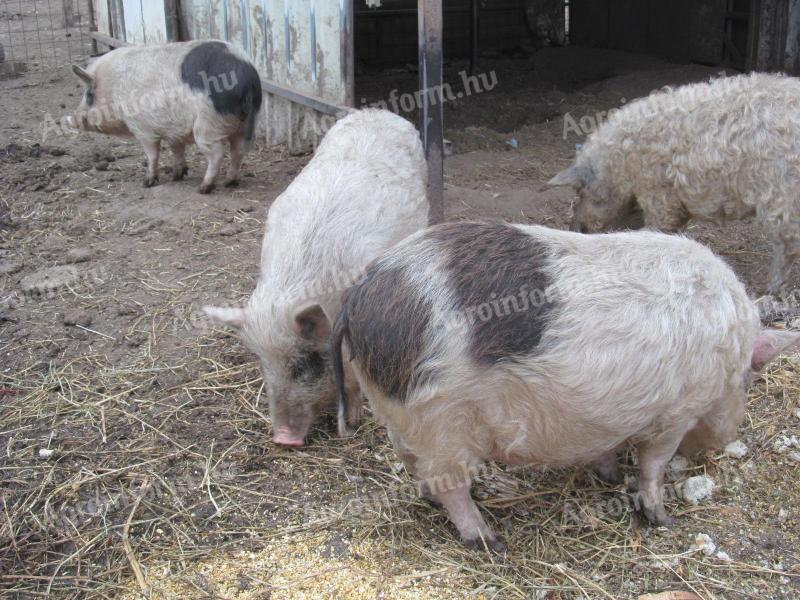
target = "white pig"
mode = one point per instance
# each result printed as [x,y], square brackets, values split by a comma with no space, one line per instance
[362,192]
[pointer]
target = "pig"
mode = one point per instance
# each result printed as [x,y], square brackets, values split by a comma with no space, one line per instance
[527,345]
[362,192]
[201,92]
[718,151]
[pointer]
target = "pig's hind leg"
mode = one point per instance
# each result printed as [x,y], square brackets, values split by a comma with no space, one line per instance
[211,144]
[607,468]
[179,167]
[409,459]
[447,460]
[152,149]
[238,150]
[214,156]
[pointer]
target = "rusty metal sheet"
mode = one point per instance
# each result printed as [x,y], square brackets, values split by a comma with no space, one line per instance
[145,22]
[303,46]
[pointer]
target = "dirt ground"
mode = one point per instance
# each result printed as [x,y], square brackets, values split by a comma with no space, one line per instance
[136,454]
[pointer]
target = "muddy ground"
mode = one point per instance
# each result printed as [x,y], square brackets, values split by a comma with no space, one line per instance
[136,454]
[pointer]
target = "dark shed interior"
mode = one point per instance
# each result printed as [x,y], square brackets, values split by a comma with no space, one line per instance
[742,34]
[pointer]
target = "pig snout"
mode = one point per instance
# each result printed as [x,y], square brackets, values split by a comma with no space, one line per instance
[284,436]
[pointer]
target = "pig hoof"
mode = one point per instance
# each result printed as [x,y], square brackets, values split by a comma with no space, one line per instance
[485,545]
[659,518]
[206,188]
[231,183]
[150,181]
[179,173]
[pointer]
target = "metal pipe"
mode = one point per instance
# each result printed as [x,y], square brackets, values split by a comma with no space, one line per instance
[474,36]
[430,24]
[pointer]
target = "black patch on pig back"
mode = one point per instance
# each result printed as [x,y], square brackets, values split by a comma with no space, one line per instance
[309,365]
[232,84]
[388,330]
[499,278]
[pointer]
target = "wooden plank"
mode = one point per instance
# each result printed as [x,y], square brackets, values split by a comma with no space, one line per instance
[303,99]
[792,52]
[432,109]
[107,40]
[117,19]
[68,14]
[134,21]
[172,20]
[102,17]
[154,22]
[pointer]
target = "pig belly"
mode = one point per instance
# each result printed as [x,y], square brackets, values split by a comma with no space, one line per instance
[557,438]
[551,457]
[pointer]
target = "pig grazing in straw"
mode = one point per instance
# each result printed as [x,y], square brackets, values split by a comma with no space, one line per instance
[528,345]
[714,151]
[200,92]
[362,192]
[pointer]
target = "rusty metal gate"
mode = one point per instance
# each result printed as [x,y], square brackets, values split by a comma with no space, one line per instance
[43,34]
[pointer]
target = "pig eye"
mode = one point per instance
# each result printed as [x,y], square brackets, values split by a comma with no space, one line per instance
[307,366]
[89,97]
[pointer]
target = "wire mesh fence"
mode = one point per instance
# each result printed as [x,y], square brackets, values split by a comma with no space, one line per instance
[43,34]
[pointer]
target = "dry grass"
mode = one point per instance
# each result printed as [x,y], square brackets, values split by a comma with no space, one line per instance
[149,487]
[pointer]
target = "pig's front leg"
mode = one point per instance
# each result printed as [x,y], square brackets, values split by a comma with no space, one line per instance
[654,454]
[152,149]
[464,514]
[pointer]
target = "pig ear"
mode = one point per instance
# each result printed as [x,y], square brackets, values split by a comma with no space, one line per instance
[83,74]
[312,323]
[233,317]
[574,176]
[770,343]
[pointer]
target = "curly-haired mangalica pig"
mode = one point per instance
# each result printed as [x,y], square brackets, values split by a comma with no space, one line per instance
[201,92]
[716,151]
[528,345]
[362,192]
